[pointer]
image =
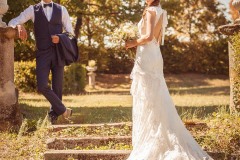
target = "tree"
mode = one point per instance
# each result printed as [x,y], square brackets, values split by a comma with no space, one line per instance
[193,43]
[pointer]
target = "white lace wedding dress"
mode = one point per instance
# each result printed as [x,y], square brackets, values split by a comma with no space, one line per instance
[158,131]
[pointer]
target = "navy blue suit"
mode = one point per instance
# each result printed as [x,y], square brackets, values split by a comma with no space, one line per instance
[46,58]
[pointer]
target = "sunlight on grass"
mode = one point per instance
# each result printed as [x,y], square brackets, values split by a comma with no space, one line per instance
[107,100]
[193,94]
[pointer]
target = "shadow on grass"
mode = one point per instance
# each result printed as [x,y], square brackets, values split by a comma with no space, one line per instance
[111,81]
[192,80]
[199,112]
[89,115]
[43,100]
[224,90]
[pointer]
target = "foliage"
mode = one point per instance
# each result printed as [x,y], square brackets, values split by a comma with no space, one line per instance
[223,134]
[25,77]
[25,144]
[236,69]
[120,61]
[193,43]
[196,56]
[74,78]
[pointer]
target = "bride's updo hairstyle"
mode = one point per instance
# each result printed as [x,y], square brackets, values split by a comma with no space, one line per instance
[154,3]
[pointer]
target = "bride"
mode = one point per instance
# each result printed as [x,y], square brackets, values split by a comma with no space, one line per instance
[158,132]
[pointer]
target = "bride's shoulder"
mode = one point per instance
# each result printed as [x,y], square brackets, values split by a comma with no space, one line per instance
[152,8]
[157,9]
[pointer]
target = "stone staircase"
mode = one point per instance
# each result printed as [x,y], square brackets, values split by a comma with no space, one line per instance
[87,146]
[97,142]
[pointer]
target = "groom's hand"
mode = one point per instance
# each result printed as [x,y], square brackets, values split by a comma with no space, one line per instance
[22,33]
[55,39]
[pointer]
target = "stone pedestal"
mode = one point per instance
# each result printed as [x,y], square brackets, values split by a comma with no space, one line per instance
[91,79]
[10,115]
[91,75]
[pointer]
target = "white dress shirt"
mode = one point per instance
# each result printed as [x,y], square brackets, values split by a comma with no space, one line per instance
[28,14]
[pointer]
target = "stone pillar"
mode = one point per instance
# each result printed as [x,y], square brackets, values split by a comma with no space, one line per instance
[234,82]
[230,30]
[10,115]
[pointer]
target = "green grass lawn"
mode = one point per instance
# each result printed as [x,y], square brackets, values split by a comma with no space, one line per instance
[193,94]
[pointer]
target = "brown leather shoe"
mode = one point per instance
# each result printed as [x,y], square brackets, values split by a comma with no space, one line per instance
[68,113]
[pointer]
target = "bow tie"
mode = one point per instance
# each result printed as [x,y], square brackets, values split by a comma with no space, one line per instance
[47,5]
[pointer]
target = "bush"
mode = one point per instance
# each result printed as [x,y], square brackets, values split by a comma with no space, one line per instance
[74,78]
[25,77]
[207,57]
[119,62]
[223,134]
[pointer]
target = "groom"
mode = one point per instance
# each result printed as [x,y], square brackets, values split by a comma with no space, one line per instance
[49,20]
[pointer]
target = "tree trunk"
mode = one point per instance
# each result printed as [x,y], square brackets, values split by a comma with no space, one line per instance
[78,25]
[89,33]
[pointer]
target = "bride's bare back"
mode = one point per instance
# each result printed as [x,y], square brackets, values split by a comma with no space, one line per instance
[157,30]
[152,25]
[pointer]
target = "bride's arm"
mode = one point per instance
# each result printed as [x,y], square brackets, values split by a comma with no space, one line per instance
[151,15]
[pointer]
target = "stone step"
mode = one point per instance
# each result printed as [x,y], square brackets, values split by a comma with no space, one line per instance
[110,155]
[86,154]
[73,143]
[224,156]
[56,128]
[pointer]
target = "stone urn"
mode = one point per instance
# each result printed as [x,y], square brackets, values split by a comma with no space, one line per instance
[91,69]
[236,4]
[3,10]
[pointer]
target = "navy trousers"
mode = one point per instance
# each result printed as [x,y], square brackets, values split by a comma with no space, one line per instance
[46,61]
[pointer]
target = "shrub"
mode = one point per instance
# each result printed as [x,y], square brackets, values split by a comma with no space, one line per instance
[223,134]
[25,77]
[207,57]
[74,78]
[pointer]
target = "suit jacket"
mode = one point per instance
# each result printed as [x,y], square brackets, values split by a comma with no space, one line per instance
[67,49]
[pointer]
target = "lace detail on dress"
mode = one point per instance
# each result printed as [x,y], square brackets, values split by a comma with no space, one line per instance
[159,11]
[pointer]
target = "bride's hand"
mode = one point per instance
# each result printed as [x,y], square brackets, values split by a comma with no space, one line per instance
[130,44]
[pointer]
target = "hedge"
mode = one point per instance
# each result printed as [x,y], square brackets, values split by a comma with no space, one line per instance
[25,77]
